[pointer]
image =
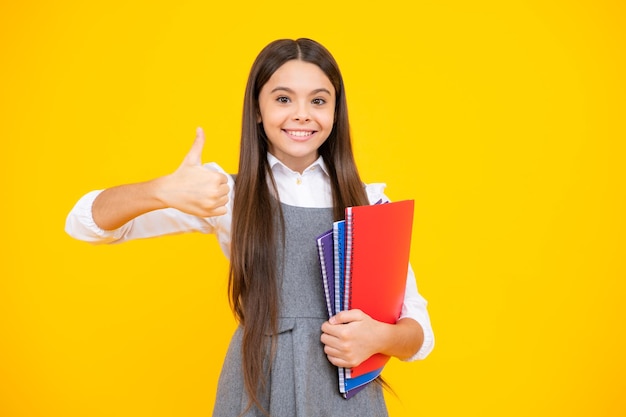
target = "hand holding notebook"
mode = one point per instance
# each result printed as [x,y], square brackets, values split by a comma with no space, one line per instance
[371,259]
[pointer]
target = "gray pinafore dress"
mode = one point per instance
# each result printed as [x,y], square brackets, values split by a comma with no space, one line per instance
[302,382]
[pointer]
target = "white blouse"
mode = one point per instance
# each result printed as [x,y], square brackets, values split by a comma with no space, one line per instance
[309,189]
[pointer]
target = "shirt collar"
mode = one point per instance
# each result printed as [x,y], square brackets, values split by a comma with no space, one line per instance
[275,162]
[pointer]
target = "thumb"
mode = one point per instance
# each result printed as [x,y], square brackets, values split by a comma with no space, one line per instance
[342,317]
[348,316]
[194,156]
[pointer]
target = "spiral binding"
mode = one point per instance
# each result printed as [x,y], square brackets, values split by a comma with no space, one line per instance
[349,257]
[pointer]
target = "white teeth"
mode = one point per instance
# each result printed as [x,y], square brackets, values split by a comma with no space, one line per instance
[299,133]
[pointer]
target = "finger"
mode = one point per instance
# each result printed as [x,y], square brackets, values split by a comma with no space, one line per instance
[194,156]
[328,337]
[224,181]
[225,192]
[337,358]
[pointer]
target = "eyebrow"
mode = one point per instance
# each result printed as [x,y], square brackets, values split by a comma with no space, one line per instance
[289,90]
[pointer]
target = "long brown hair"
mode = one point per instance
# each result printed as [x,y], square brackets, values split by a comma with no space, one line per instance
[253,288]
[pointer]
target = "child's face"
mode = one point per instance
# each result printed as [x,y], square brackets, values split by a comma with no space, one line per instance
[297,107]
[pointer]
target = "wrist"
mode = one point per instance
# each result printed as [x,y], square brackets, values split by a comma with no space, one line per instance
[157,192]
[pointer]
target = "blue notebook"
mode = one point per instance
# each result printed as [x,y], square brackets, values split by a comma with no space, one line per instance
[339,262]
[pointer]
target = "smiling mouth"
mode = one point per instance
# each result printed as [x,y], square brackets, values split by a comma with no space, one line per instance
[300,133]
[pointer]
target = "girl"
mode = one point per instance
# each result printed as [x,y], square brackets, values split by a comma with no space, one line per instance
[296,175]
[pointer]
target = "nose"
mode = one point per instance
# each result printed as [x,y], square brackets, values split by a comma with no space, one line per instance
[302,113]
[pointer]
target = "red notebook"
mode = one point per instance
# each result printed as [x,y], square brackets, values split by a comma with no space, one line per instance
[378,242]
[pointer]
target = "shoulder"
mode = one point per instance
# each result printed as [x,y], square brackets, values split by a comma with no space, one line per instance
[375,192]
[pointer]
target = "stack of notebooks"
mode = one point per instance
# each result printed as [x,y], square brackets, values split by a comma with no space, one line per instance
[364,261]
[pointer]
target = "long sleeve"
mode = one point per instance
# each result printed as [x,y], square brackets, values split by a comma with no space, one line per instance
[415,307]
[80,224]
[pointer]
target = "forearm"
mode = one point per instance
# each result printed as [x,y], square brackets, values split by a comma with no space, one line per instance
[401,340]
[116,206]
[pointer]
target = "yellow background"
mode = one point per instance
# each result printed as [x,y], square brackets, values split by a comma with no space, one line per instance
[504,120]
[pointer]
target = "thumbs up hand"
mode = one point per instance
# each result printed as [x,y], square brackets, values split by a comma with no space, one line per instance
[193,188]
